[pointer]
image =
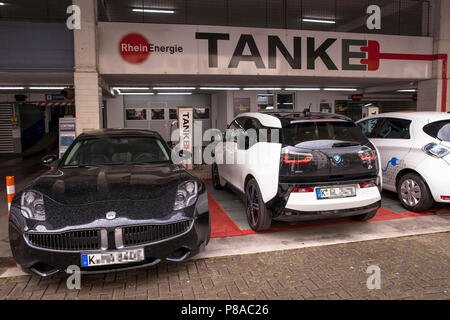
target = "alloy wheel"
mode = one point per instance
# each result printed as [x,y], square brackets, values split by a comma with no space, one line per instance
[410,192]
[253,204]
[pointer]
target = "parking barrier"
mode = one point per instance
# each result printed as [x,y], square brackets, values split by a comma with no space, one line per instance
[10,190]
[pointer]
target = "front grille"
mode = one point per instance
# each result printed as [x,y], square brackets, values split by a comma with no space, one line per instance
[151,233]
[73,240]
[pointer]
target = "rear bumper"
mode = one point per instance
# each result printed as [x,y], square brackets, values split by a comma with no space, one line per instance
[309,202]
[294,215]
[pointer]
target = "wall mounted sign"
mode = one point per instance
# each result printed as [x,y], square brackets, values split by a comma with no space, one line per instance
[136,48]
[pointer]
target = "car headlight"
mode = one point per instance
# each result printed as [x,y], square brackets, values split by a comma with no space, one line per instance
[435,150]
[32,205]
[186,195]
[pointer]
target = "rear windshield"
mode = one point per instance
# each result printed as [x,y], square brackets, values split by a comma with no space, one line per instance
[117,150]
[439,129]
[322,134]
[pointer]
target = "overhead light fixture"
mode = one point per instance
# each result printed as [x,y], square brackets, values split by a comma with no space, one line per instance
[46,88]
[340,89]
[407,90]
[131,88]
[153,11]
[2,3]
[173,88]
[136,93]
[261,89]
[367,104]
[174,93]
[302,89]
[218,88]
[12,88]
[319,21]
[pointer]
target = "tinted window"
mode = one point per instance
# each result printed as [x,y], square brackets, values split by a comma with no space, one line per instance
[391,128]
[367,126]
[117,150]
[439,129]
[321,133]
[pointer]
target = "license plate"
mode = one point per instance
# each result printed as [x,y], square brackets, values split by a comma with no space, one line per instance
[336,192]
[112,257]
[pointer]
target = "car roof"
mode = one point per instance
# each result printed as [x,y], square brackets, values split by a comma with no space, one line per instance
[278,119]
[414,115]
[110,132]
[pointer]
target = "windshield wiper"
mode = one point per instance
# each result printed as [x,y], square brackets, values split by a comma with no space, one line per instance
[345,144]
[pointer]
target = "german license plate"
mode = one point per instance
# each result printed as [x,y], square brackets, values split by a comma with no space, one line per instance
[112,257]
[336,192]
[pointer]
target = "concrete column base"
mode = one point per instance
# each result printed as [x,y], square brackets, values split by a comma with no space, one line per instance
[88,101]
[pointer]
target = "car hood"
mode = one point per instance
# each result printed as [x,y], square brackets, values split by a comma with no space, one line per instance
[87,185]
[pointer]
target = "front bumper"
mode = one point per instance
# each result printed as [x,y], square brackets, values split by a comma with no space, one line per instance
[47,261]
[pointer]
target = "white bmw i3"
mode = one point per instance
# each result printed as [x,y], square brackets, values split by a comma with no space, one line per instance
[298,166]
[415,155]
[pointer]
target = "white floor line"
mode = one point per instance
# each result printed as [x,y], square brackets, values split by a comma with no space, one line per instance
[327,235]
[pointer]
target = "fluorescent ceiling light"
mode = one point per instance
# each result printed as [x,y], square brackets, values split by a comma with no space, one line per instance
[2,3]
[173,88]
[218,88]
[174,93]
[47,88]
[153,11]
[319,21]
[340,89]
[261,89]
[12,88]
[131,88]
[407,90]
[302,89]
[136,93]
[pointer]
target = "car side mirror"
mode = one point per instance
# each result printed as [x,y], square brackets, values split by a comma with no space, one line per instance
[184,154]
[48,160]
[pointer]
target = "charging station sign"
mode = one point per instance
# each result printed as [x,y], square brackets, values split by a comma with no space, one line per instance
[129,48]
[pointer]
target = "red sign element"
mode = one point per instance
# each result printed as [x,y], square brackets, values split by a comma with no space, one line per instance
[134,48]
[357,97]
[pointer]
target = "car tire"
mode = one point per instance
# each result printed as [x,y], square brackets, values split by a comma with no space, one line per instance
[258,216]
[414,193]
[365,216]
[216,177]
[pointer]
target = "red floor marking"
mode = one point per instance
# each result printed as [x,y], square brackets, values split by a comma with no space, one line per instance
[223,226]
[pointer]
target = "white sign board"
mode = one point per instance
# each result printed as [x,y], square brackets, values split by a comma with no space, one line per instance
[141,48]
[185,124]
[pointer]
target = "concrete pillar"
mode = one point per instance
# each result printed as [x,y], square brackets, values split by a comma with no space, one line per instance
[88,97]
[434,94]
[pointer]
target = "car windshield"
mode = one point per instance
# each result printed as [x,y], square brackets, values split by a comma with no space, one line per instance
[322,134]
[439,129]
[117,150]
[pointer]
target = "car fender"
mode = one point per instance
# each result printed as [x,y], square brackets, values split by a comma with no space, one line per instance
[264,165]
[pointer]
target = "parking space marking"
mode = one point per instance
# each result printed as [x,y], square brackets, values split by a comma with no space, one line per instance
[326,235]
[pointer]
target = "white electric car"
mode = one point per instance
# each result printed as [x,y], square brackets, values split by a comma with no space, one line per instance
[298,166]
[415,155]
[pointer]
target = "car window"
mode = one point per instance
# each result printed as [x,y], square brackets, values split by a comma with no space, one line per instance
[391,128]
[438,129]
[321,133]
[367,126]
[117,150]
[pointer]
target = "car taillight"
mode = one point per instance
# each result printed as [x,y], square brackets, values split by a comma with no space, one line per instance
[435,150]
[297,157]
[445,197]
[367,185]
[367,154]
[307,189]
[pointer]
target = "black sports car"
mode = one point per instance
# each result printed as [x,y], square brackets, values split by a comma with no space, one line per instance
[114,201]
